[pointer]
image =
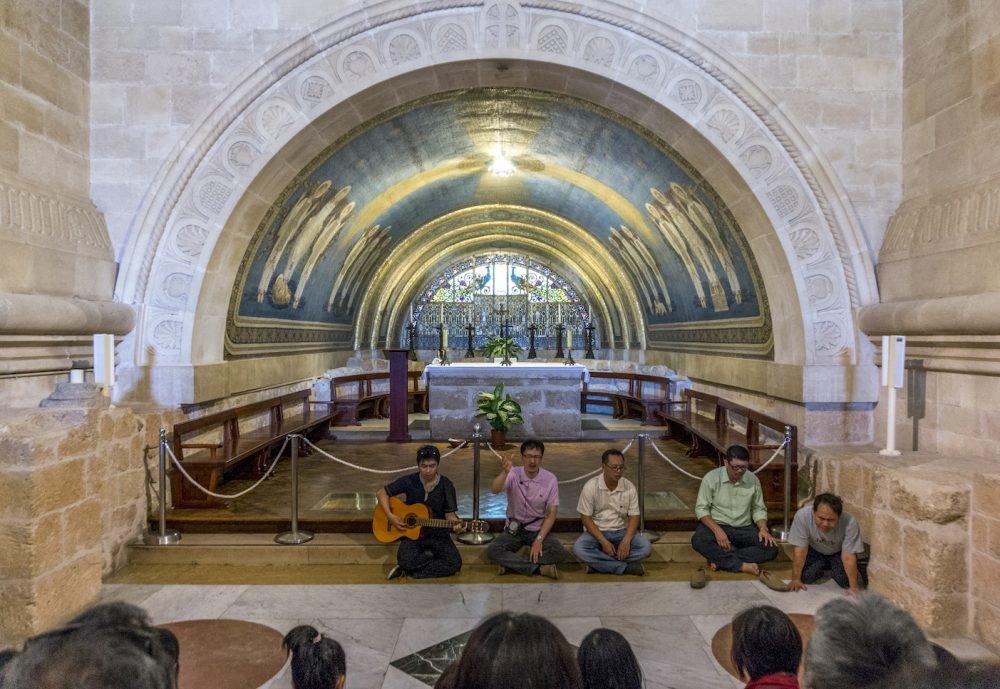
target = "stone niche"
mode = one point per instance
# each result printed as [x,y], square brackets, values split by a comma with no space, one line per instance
[934,532]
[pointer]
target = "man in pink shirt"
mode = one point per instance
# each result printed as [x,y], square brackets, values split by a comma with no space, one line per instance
[532,502]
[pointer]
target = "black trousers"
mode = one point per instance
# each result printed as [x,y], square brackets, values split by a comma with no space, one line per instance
[819,565]
[429,557]
[746,547]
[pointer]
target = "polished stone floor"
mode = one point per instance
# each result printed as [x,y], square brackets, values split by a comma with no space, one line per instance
[381,625]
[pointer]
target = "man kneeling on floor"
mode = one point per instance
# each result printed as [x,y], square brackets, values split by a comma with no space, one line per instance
[732,534]
[827,541]
[609,510]
[433,553]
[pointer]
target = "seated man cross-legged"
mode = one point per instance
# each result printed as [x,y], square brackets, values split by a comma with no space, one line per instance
[732,534]
[532,502]
[433,553]
[609,510]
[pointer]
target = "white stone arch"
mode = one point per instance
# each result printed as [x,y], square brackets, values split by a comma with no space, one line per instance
[828,274]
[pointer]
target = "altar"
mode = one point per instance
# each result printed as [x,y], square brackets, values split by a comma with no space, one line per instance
[549,395]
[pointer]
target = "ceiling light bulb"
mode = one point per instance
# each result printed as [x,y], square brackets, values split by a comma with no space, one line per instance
[501,166]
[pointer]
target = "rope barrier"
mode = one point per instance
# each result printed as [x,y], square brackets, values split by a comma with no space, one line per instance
[581,477]
[698,478]
[354,466]
[223,496]
[465,443]
[595,472]
[671,462]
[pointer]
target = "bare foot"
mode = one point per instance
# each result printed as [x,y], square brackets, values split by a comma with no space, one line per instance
[750,568]
[714,567]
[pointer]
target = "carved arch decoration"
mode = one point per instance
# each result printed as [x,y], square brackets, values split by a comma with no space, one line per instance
[182,221]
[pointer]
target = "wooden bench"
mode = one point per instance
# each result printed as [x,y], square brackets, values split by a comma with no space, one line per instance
[704,420]
[356,396]
[215,446]
[629,395]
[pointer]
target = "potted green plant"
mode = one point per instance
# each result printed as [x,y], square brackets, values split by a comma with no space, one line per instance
[497,347]
[501,411]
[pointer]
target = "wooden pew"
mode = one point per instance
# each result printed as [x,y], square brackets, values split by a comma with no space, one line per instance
[357,396]
[232,451]
[629,395]
[704,420]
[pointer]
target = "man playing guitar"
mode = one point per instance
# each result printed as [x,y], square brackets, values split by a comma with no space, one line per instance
[433,554]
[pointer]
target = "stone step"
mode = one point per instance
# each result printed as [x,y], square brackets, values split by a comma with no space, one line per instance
[337,549]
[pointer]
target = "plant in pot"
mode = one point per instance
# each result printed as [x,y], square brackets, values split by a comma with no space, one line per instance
[497,346]
[501,411]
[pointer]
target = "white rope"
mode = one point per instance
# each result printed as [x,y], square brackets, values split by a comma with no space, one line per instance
[780,448]
[355,466]
[580,478]
[671,462]
[455,449]
[223,496]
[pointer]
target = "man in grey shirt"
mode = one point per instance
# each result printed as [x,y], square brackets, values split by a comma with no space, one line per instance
[827,541]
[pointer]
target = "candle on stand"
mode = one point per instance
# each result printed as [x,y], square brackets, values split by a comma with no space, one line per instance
[411,313]
[559,313]
[442,313]
[569,339]
[444,338]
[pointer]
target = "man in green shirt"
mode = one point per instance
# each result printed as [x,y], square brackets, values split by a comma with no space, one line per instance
[732,533]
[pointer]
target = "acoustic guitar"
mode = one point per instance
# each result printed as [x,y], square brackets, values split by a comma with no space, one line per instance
[414,516]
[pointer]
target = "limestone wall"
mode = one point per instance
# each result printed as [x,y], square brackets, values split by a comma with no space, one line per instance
[72,494]
[931,522]
[158,67]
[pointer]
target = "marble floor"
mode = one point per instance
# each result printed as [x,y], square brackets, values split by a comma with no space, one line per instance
[669,624]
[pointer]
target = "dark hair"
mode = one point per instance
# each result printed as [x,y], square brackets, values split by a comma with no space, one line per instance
[517,651]
[611,452]
[533,445]
[425,452]
[607,662]
[765,642]
[110,646]
[738,452]
[317,661]
[833,501]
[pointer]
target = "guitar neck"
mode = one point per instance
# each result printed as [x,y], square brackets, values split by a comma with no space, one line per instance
[435,523]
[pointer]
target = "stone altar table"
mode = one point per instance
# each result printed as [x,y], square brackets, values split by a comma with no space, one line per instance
[549,395]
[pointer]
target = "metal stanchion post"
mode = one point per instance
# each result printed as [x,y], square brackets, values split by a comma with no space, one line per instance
[164,536]
[470,537]
[782,533]
[294,537]
[651,536]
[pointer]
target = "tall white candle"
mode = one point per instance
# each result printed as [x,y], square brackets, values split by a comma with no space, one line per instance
[444,338]
[558,313]
[569,339]
[442,312]
[411,313]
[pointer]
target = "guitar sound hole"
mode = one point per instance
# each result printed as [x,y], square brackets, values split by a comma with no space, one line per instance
[410,521]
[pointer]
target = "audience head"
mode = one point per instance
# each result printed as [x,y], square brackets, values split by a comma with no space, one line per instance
[517,651]
[110,646]
[737,462]
[864,643]
[318,662]
[827,509]
[607,662]
[765,642]
[952,675]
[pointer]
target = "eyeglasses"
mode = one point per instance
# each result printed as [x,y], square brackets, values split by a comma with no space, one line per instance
[738,467]
[615,467]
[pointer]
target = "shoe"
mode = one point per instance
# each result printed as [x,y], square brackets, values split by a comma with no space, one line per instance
[395,573]
[772,582]
[550,571]
[699,578]
[635,569]
[501,570]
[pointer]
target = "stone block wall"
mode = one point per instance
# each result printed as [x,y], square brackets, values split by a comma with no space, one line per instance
[834,67]
[72,495]
[921,512]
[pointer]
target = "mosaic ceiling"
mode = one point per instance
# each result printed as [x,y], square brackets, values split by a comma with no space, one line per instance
[669,240]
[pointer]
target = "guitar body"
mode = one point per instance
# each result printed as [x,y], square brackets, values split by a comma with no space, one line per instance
[410,514]
[414,517]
